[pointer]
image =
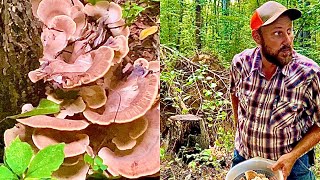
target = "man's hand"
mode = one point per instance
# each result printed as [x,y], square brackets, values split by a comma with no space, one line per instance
[285,163]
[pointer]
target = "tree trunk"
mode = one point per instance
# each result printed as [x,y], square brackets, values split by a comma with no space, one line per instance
[20,49]
[225,7]
[181,3]
[198,25]
[186,131]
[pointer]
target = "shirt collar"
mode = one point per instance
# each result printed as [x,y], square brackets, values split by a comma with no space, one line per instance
[257,63]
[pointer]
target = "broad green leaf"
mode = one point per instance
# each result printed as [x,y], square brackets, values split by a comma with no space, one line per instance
[5,173]
[18,156]
[45,107]
[46,161]
[88,159]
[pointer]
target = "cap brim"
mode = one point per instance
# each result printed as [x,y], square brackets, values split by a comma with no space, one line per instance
[292,13]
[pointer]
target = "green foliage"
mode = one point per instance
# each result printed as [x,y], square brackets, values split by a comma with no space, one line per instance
[45,107]
[46,161]
[131,11]
[6,173]
[95,163]
[18,156]
[226,33]
[205,157]
[225,139]
[162,153]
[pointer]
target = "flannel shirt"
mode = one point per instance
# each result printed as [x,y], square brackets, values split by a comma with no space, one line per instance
[273,115]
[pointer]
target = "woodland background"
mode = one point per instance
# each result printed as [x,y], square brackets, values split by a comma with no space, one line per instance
[198,41]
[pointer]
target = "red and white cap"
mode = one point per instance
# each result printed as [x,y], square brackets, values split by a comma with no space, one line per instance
[269,12]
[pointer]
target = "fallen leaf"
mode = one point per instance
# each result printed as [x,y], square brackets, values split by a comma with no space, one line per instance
[147,32]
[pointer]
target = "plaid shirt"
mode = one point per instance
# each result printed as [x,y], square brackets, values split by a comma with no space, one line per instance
[273,115]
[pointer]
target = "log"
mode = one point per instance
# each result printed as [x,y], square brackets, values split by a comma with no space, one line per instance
[186,130]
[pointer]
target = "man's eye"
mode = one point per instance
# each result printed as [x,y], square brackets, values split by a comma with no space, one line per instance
[278,33]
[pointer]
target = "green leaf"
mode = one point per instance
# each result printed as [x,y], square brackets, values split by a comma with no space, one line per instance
[103,167]
[98,160]
[88,159]
[5,173]
[96,167]
[18,156]
[45,107]
[46,161]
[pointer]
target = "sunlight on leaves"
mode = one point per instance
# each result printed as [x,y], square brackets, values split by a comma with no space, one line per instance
[45,107]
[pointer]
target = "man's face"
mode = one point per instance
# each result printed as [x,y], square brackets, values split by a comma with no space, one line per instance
[277,41]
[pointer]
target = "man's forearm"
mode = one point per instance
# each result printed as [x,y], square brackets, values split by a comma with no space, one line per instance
[311,139]
[235,103]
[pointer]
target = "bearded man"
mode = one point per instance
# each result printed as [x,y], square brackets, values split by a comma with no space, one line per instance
[275,96]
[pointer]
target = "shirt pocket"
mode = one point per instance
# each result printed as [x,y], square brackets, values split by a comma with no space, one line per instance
[284,114]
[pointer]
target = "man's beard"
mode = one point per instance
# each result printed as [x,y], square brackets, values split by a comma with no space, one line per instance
[275,58]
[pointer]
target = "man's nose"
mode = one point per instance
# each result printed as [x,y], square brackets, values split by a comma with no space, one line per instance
[287,39]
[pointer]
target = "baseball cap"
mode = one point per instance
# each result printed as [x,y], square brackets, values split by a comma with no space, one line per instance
[269,12]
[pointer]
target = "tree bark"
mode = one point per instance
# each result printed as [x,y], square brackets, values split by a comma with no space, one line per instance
[198,25]
[20,49]
[186,131]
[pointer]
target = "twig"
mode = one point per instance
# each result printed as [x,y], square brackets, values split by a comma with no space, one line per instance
[197,65]
[198,92]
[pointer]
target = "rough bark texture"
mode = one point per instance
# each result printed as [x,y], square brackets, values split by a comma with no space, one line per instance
[20,49]
[186,130]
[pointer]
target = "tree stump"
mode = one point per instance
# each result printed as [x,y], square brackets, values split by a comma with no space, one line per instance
[186,130]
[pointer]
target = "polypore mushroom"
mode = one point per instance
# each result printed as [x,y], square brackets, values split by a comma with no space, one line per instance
[70,161]
[154,66]
[75,172]
[48,9]
[76,143]
[144,159]
[95,96]
[120,45]
[53,42]
[86,69]
[119,28]
[142,62]
[107,12]
[130,100]
[24,133]
[126,134]
[42,121]
[71,107]
[63,23]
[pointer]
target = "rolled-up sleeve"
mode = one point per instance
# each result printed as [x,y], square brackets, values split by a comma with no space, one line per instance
[234,74]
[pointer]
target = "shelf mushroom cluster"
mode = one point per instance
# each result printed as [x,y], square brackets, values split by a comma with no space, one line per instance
[115,113]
